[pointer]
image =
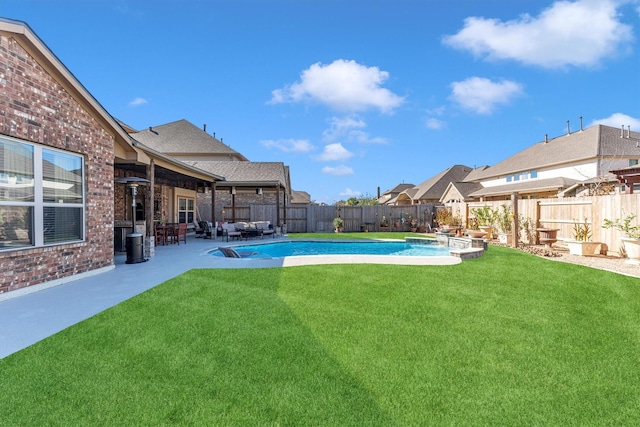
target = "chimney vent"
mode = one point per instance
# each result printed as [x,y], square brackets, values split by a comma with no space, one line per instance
[568,128]
[204,127]
[546,138]
[580,123]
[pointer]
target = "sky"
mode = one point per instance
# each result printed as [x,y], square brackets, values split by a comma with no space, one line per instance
[354,95]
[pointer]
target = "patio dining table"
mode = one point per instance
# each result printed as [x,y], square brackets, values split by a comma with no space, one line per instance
[168,231]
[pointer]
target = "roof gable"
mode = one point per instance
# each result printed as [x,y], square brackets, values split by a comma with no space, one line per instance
[434,187]
[182,137]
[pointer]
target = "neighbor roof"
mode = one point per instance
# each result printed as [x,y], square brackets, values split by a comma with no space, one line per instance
[598,140]
[526,187]
[434,187]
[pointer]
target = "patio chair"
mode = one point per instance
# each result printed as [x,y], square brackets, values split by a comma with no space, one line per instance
[160,235]
[206,229]
[182,232]
[232,253]
[198,229]
[171,232]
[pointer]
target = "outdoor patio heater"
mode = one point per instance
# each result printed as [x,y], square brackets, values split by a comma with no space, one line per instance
[135,241]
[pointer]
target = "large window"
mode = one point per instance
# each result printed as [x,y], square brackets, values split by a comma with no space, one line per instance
[186,210]
[41,195]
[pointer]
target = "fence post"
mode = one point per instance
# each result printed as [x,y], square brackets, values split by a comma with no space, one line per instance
[515,226]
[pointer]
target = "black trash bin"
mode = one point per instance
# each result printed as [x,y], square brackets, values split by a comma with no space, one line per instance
[135,248]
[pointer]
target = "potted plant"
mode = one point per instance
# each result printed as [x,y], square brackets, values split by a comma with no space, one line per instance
[486,217]
[631,238]
[413,224]
[581,243]
[338,224]
[473,229]
[446,221]
[504,222]
[383,222]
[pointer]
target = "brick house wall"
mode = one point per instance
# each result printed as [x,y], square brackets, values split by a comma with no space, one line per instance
[34,107]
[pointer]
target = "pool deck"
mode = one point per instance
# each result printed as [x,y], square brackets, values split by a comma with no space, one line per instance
[32,314]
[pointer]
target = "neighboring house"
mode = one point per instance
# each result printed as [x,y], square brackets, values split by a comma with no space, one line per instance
[389,197]
[60,151]
[431,190]
[300,198]
[578,160]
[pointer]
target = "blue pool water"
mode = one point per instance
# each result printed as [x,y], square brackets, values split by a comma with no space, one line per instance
[297,248]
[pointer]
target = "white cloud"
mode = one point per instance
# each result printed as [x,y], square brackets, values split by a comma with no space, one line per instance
[483,95]
[435,124]
[568,33]
[350,193]
[342,85]
[334,152]
[289,145]
[348,129]
[138,101]
[337,170]
[619,120]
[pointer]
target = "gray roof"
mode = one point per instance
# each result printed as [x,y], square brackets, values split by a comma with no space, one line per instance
[300,197]
[590,143]
[526,187]
[182,137]
[399,188]
[466,188]
[434,187]
[246,173]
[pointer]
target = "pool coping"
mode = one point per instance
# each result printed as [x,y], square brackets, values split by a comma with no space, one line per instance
[456,256]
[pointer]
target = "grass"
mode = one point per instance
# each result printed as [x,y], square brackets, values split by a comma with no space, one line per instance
[506,339]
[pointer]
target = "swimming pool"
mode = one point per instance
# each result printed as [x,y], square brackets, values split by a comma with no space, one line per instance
[305,248]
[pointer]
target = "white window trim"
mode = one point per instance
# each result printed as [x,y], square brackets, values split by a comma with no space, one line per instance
[39,204]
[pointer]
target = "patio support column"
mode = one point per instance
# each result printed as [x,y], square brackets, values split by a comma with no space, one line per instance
[515,226]
[213,203]
[149,202]
[233,206]
[277,206]
[284,202]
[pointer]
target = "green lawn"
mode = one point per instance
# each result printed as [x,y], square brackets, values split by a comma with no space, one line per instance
[506,339]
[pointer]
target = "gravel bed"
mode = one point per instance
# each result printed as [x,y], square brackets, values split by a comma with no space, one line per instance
[603,262]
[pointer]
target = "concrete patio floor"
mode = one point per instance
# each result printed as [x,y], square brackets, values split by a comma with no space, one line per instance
[32,314]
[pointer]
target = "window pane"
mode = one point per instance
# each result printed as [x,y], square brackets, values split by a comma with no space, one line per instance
[16,171]
[62,177]
[189,217]
[16,226]
[190,204]
[182,217]
[62,224]
[182,204]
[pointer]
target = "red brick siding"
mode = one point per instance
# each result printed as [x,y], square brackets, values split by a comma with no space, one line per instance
[35,108]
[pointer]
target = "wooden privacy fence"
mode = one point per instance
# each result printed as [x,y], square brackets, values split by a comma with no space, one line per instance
[563,213]
[312,219]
